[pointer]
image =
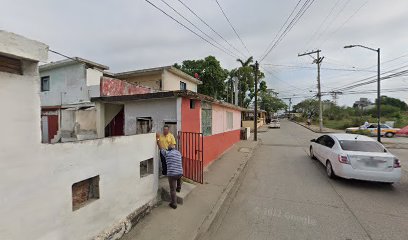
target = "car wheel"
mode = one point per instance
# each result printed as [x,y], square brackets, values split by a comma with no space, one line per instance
[329,170]
[312,156]
[389,134]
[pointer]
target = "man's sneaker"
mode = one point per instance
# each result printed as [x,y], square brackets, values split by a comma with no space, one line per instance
[172,205]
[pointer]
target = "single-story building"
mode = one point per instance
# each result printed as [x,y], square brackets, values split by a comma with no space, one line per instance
[184,112]
[248,118]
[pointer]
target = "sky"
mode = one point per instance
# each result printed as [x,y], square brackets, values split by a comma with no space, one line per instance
[132,34]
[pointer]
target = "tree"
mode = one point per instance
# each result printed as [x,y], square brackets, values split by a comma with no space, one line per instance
[270,103]
[246,78]
[308,107]
[395,102]
[210,73]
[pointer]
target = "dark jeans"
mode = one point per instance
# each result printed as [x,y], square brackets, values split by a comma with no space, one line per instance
[163,164]
[175,184]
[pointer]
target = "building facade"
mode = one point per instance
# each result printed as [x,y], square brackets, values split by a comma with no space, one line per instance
[182,111]
[82,190]
[166,78]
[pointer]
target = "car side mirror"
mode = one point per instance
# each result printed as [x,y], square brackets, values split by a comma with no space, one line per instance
[313,140]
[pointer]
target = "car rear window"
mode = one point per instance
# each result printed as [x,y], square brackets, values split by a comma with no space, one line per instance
[361,146]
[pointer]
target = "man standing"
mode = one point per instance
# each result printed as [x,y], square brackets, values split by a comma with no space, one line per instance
[174,170]
[165,139]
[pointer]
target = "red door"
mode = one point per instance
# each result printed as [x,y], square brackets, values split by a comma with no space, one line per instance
[52,126]
[115,127]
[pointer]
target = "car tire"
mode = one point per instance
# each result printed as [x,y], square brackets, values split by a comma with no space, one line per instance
[329,170]
[389,134]
[312,156]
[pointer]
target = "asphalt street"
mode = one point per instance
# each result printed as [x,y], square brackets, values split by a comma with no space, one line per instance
[283,194]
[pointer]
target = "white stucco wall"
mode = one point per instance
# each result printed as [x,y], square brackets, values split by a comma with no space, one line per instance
[219,119]
[93,77]
[172,82]
[36,179]
[160,110]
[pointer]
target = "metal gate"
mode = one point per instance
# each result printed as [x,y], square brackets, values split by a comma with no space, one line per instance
[190,145]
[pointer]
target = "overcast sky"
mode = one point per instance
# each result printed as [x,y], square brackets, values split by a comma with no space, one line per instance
[131,34]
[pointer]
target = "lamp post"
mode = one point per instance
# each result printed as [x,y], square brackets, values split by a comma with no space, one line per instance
[378,87]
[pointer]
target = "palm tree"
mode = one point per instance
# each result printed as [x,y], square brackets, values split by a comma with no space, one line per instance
[247,62]
[243,75]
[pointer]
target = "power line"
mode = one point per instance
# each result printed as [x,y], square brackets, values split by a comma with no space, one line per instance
[235,31]
[306,5]
[189,29]
[331,69]
[284,24]
[345,22]
[322,23]
[182,16]
[212,29]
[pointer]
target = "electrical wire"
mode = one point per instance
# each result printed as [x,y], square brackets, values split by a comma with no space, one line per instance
[196,27]
[212,29]
[189,29]
[233,28]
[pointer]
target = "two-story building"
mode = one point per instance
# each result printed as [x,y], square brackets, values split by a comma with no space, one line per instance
[166,78]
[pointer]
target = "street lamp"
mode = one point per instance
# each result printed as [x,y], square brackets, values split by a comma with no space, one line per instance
[378,87]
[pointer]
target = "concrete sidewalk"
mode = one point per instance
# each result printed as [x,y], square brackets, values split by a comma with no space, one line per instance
[195,216]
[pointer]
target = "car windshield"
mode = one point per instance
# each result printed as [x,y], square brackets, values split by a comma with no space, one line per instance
[361,146]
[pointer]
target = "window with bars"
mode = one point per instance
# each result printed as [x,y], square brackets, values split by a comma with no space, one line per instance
[230,120]
[206,119]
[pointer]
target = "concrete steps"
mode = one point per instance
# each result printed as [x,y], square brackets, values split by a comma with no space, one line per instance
[186,189]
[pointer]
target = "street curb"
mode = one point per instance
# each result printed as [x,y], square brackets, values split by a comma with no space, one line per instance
[311,128]
[209,219]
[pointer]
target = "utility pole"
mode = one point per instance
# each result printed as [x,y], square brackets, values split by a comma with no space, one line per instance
[318,61]
[290,104]
[335,97]
[256,69]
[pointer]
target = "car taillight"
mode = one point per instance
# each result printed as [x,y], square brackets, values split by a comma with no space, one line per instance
[397,163]
[344,159]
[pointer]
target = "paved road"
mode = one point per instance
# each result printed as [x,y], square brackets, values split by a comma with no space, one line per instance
[286,195]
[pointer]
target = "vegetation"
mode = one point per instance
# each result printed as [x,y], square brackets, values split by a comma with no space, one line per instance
[342,117]
[218,82]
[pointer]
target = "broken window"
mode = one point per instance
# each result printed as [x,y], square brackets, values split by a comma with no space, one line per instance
[206,119]
[143,125]
[146,167]
[84,192]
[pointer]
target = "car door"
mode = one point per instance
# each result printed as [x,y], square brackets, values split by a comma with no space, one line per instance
[318,147]
[327,150]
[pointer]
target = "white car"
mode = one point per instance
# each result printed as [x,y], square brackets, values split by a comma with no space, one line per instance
[274,123]
[354,156]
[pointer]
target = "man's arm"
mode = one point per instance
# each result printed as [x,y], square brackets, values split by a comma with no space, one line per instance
[158,142]
[173,140]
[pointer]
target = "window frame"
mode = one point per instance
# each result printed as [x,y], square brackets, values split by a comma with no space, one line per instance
[183,85]
[48,84]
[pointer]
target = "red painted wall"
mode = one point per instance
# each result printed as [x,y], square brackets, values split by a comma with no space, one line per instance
[190,118]
[214,145]
[116,87]
[217,144]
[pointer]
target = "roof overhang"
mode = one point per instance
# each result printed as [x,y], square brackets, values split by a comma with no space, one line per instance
[166,94]
[75,60]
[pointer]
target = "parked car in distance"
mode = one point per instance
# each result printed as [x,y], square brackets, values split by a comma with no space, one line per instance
[275,123]
[354,156]
[386,130]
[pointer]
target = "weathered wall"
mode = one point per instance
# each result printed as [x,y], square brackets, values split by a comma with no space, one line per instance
[116,87]
[172,82]
[86,118]
[93,77]
[36,179]
[15,45]
[160,110]
[67,85]
[151,80]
